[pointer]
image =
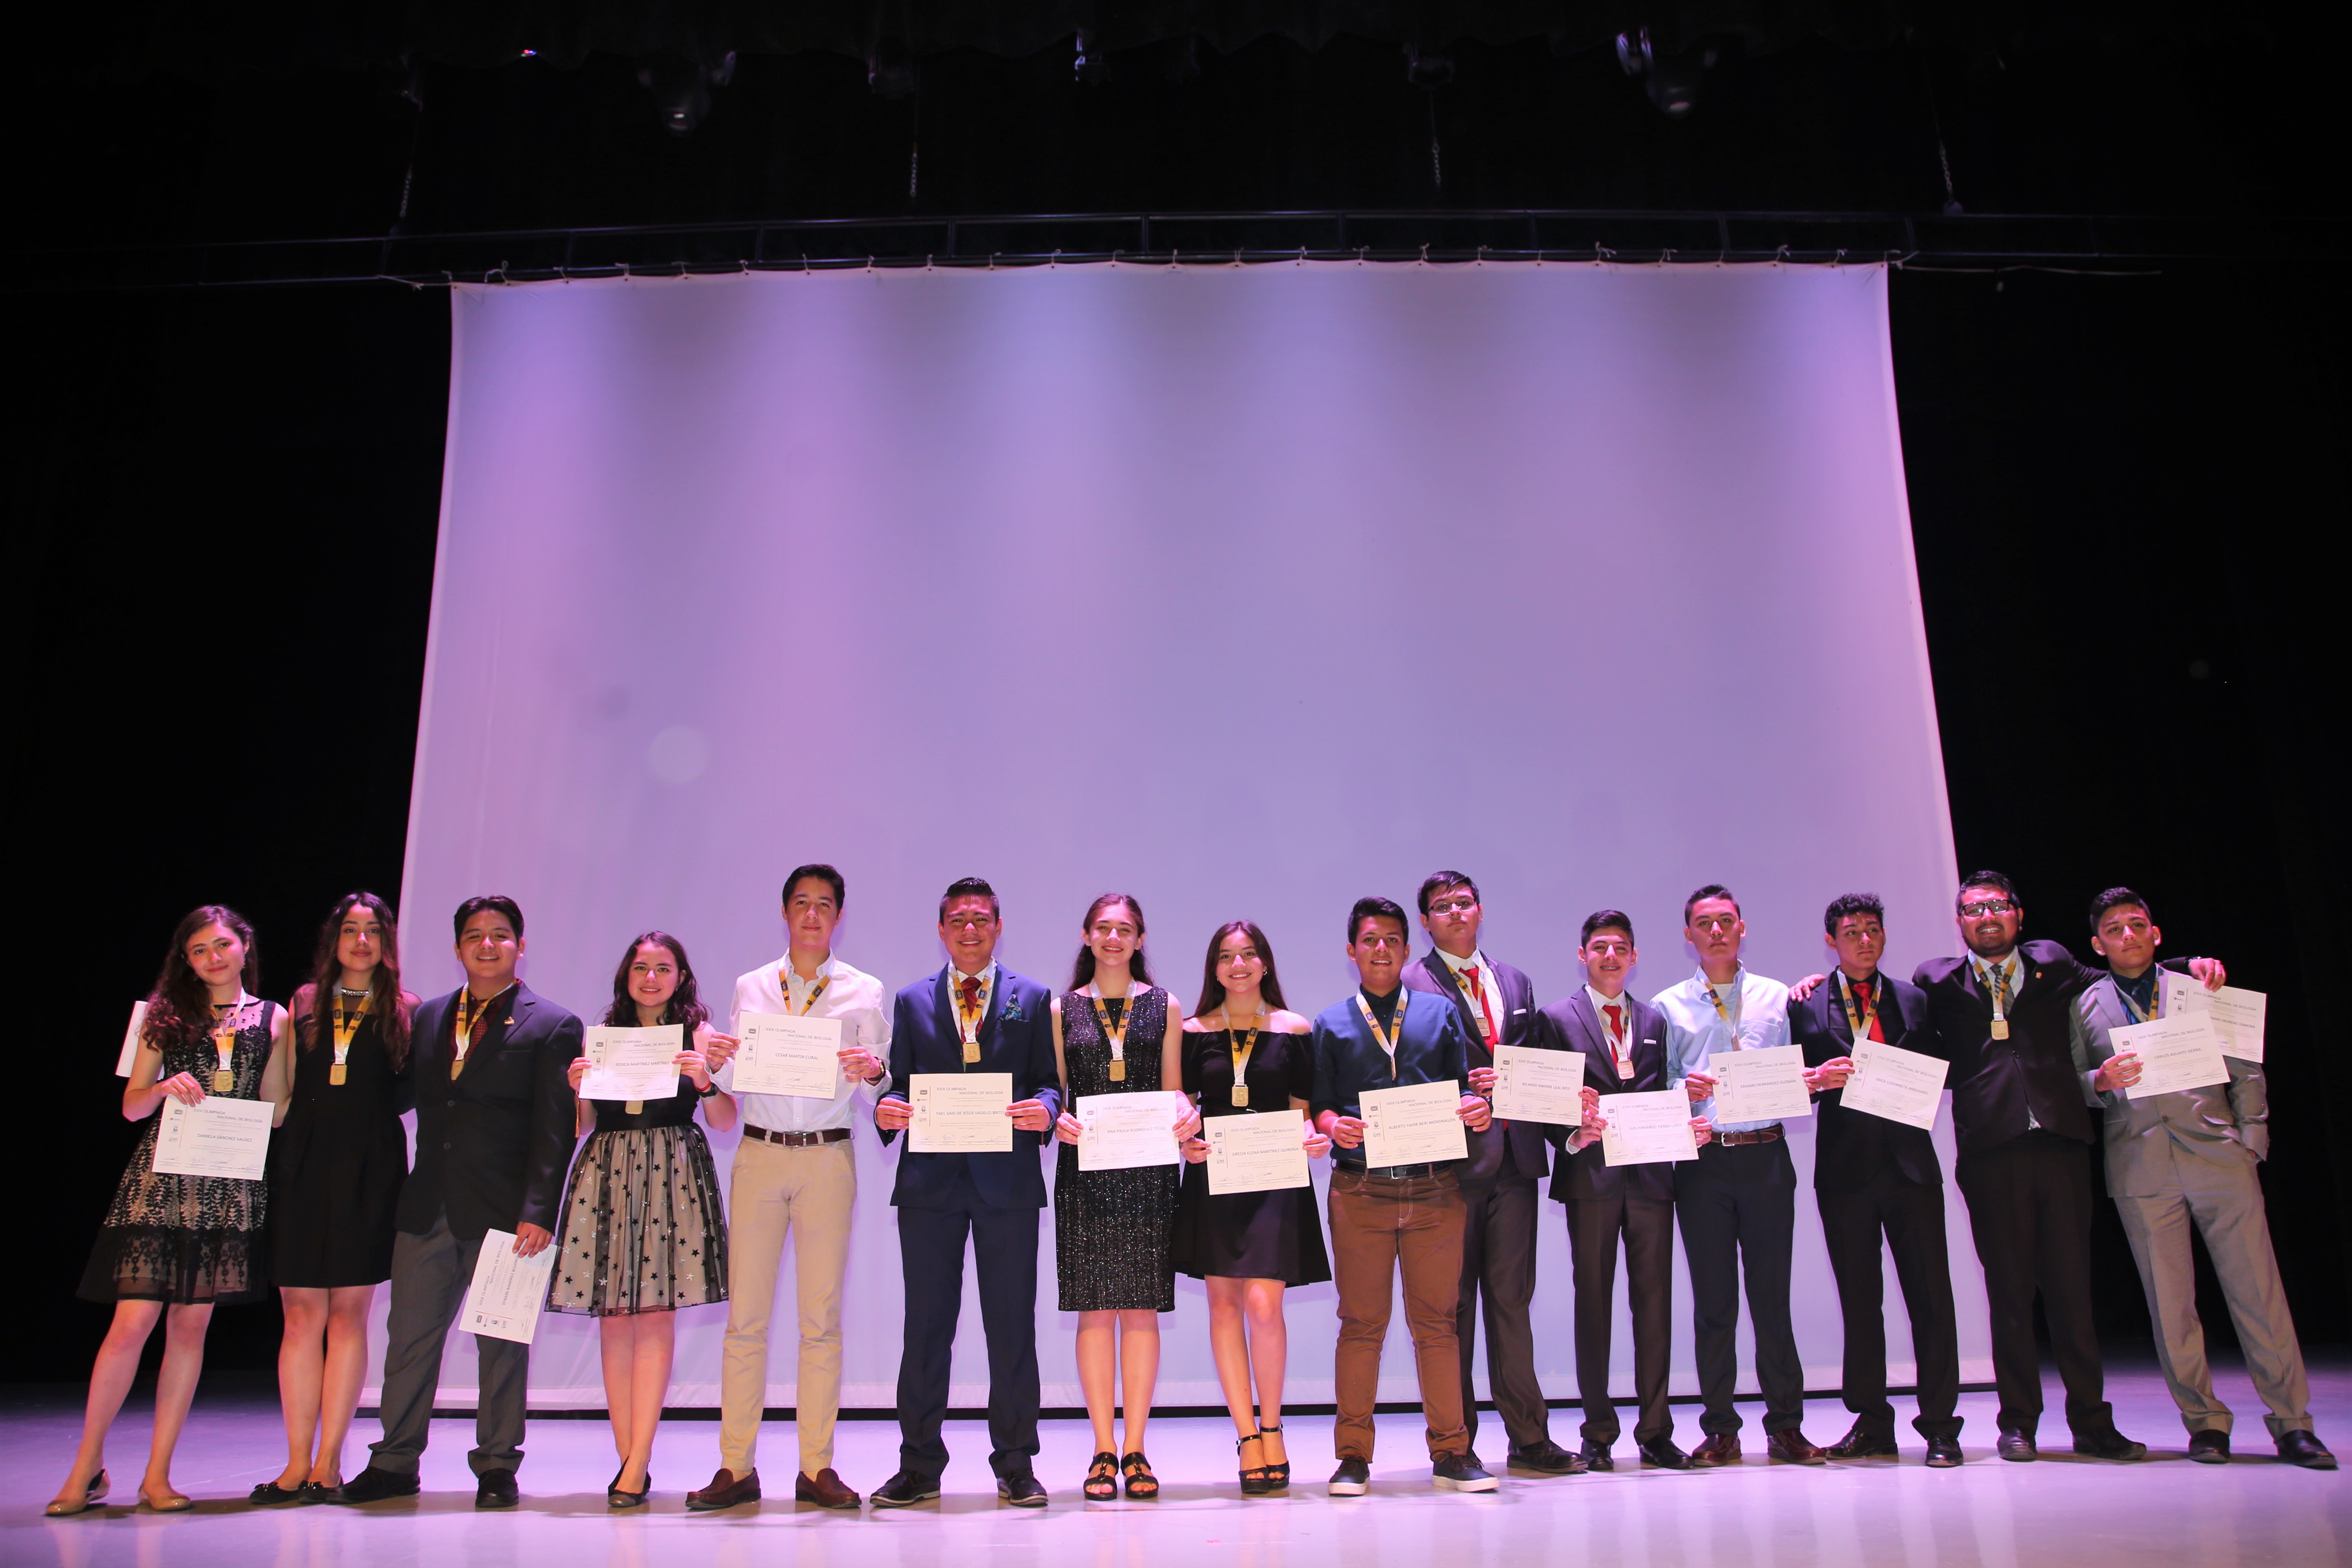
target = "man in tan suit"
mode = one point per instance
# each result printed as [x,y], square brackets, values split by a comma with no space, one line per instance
[2182,1158]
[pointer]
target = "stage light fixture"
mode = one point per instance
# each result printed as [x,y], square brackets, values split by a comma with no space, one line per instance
[1672,80]
[1428,69]
[890,70]
[1093,63]
[682,87]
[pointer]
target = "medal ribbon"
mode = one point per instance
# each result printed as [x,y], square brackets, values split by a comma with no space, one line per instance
[1387,1041]
[1242,1049]
[1867,1019]
[347,1025]
[1729,1022]
[784,977]
[224,1044]
[472,1019]
[1997,979]
[2155,1009]
[1117,1035]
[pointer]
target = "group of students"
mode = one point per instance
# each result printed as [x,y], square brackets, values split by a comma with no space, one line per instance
[492,1072]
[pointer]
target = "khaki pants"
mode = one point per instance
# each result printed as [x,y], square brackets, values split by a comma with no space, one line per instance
[1381,1227]
[806,1194]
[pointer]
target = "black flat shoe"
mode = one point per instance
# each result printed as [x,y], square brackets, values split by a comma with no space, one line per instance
[1102,1478]
[320,1491]
[615,1498]
[270,1494]
[1141,1484]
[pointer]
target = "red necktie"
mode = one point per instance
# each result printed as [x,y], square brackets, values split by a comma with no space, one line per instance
[1877,1030]
[1617,1037]
[1485,1013]
[968,998]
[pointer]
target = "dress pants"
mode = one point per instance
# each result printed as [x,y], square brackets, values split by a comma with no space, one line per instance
[807,1195]
[1647,1224]
[1911,1218]
[1499,1280]
[2225,1203]
[2030,1211]
[430,1276]
[1738,1207]
[1382,1226]
[930,1254]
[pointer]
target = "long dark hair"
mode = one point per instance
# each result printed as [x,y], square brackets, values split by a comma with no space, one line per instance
[1213,989]
[314,1005]
[1082,972]
[180,1007]
[684,1003]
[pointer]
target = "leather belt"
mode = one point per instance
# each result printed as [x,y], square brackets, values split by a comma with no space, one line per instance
[797,1140]
[1762,1136]
[1407,1173]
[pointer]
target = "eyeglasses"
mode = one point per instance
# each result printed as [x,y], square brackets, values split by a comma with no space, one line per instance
[1987,907]
[1452,905]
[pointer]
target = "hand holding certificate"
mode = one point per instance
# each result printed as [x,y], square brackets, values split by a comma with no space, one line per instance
[1766,1086]
[787,1054]
[508,1291]
[220,1137]
[960,1113]
[1125,1132]
[637,1064]
[1414,1125]
[1900,1085]
[2174,1053]
[1645,1128]
[1533,1085]
[2238,1016]
[1260,1153]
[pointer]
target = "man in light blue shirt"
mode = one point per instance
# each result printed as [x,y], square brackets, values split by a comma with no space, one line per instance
[1737,1201]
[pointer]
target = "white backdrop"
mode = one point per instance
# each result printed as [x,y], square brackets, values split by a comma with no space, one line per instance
[1248,591]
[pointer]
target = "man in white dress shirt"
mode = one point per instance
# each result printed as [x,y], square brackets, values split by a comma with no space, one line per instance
[795,1176]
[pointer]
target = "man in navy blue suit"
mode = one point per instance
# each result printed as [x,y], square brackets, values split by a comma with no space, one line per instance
[973,1016]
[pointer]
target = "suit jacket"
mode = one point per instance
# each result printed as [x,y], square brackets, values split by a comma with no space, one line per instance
[1017,1036]
[492,1143]
[2225,1123]
[1852,1147]
[1570,1024]
[1349,1061]
[1514,996]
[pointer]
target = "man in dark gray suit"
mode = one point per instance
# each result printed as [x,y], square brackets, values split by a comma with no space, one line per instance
[2184,1158]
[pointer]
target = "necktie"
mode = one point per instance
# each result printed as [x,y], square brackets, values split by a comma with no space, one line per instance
[968,1014]
[1617,1037]
[1485,1013]
[1870,1001]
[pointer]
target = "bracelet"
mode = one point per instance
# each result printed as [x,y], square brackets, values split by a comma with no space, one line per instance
[707,1093]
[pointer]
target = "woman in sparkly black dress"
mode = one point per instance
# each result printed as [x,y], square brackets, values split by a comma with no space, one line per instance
[1115,1032]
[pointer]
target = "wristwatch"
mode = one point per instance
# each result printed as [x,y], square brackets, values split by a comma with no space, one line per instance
[707,1093]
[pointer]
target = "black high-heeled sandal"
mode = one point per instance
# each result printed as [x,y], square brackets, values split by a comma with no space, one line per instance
[1142,1483]
[615,1498]
[1102,1478]
[1277,1477]
[1255,1479]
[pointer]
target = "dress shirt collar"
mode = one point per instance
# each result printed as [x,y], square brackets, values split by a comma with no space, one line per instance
[791,977]
[987,977]
[1476,960]
[2012,966]
[1621,1001]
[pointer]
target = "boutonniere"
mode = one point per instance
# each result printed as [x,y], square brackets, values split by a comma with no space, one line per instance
[1012,1013]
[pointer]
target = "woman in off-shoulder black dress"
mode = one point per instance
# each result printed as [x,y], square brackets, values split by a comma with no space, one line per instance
[1249,1247]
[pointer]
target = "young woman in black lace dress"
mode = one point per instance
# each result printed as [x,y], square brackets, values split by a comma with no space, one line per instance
[1115,1032]
[173,1247]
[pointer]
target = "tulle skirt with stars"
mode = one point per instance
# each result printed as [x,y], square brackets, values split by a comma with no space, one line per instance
[642,1230]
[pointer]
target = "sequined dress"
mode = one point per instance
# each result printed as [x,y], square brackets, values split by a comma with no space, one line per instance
[1112,1228]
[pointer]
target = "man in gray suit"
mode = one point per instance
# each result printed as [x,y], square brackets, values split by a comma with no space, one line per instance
[2175,1159]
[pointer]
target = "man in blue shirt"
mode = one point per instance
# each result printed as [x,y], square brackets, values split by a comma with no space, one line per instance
[1395,1218]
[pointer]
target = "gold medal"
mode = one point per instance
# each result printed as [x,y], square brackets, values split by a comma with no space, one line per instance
[635,1108]
[224,1081]
[1242,1049]
[2001,1028]
[1241,1095]
[338,1073]
[1117,1037]
[346,1026]
[972,1050]
[1119,1072]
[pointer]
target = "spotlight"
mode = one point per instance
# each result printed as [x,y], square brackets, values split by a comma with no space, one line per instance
[890,70]
[681,88]
[1673,80]
[1093,63]
[1427,68]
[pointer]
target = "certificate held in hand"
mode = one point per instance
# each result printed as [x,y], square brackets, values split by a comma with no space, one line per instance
[1533,1085]
[1260,1153]
[788,1054]
[2238,1016]
[1766,1086]
[1644,1128]
[1900,1085]
[1127,1132]
[215,1137]
[2174,1053]
[1414,1125]
[637,1064]
[960,1113]
[507,1292]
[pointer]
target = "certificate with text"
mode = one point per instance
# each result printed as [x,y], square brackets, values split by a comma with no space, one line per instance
[507,1292]
[786,1054]
[215,1137]
[2238,1016]
[960,1113]
[1766,1086]
[1414,1125]
[1126,1132]
[2174,1053]
[1645,1128]
[1533,1085]
[1266,1152]
[630,1063]
[128,1057]
[1906,1086]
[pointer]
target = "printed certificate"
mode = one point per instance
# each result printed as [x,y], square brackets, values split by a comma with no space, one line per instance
[783,1053]
[960,1113]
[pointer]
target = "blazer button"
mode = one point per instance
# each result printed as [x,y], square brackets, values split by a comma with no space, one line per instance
[445,1145]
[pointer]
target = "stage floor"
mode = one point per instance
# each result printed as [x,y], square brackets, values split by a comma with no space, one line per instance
[2254,1511]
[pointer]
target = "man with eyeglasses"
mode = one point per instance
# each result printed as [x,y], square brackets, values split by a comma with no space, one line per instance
[2004,1017]
[1496,1006]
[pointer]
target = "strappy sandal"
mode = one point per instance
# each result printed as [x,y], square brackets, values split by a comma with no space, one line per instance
[1257,1479]
[1141,1482]
[61,1509]
[1277,1477]
[1102,1478]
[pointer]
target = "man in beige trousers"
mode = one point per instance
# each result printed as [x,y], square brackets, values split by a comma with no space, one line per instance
[795,1177]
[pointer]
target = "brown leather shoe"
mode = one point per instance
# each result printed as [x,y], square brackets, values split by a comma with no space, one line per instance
[823,1488]
[1723,1448]
[1789,1447]
[724,1491]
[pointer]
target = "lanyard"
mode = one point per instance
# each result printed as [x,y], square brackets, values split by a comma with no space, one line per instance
[1242,1049]
[784,978]
[1859,1024]
[968,1019]
[472,1019]
[1478,997]
[1729,1022]
[1116,1035]
[224,1044]
[347,1025]
[1388,1041]
[2154,1008]
[1997,982]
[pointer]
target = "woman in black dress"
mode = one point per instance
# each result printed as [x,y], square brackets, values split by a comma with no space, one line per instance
[1249,1247]
[1115,1032]
[173,1247]
[335,1170]
[642,1232]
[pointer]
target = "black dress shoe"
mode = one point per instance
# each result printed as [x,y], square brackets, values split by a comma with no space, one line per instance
[1663,1455]
[1789,1445]
[1864,1441]
[2017,1446]
[2304,1448]
[2210,1447]
[726,1490]
[1722,1449]
[1596,1455]
[270,1494]
[1021,1491]
[1943,1453]
[495,1488]
[1544,1458]
[373,1485]
[2110,1444]
[905,1490]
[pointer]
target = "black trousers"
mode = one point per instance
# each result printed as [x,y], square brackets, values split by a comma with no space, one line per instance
[1910,1217]
[1738,1207]
[1647,1227]
[930,1254]
[2030,1211]
[1498,1282]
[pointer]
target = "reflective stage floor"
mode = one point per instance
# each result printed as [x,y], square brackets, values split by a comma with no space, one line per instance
[2061,1511]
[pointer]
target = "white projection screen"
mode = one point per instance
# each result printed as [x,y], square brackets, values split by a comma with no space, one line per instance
[1248,591]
